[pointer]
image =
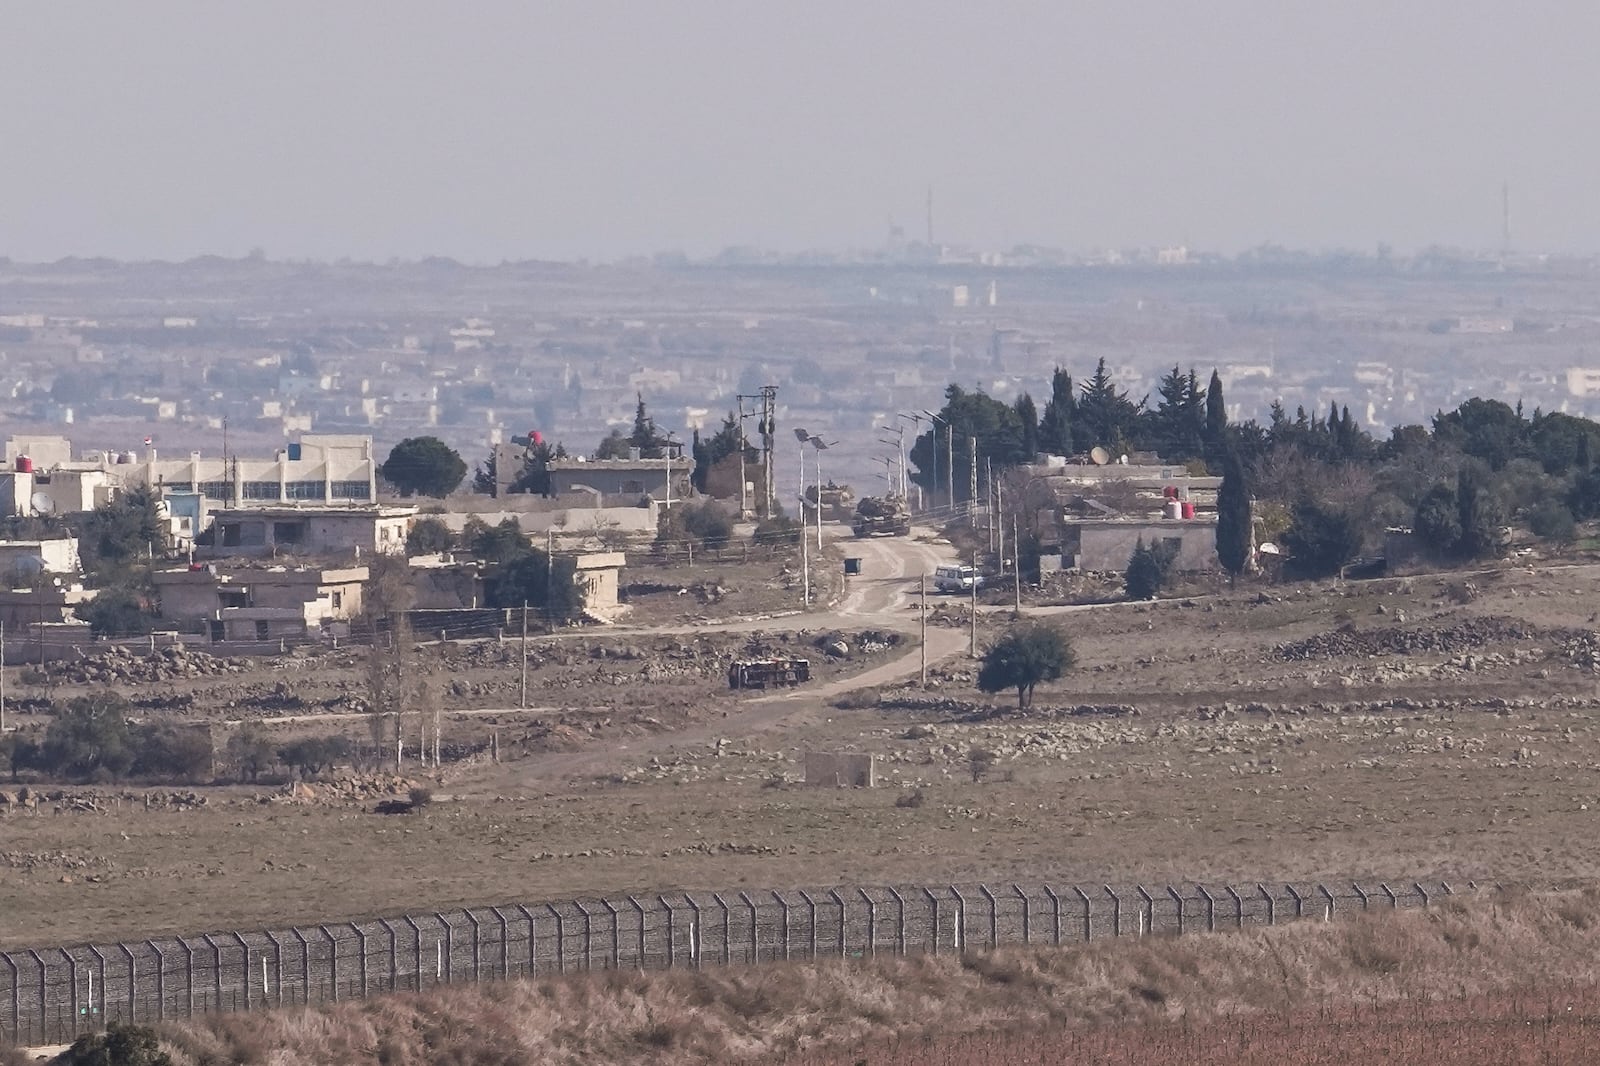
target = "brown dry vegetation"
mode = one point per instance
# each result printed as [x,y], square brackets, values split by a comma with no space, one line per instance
[1386,983]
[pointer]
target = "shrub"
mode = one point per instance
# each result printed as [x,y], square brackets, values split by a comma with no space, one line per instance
[119,1045]
[1553,520]
[116,612]
[979,762]
[913,799]
[1025,656]
[708,523]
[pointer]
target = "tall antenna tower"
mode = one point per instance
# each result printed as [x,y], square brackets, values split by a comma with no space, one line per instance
[1505,218]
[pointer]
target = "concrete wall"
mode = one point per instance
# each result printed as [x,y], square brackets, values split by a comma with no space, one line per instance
[1108,546]
[835,770]
[60,556]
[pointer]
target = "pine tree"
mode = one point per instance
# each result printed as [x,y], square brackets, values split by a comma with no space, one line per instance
[1233,517]
[1217,412]
[1055,427]
[1028,417]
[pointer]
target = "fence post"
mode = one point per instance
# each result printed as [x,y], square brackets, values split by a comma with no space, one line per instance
[188,975]
[416,944]
[1327,915]
[333,961]
[812,904]
[1426,900]
[1116,911]
[394,954]
[1178,901]
[161,980]
[72,976]
[616,935]
[994,916]
[1360,894]
[244,961]
[588,935]
[1211,908]
[15,1035]
[561,938]
[755,940]
[1394,903]
[933,928]
[1272,904]
[133,982]
[477,944]
[1238,908]
[961,919]
[304,962]
[727,929]
[783,911]
[668,908]
[840,901]
[43,982]
[1027,917]
[216,970]
[1299,902]
[1088,912]
[505,946]
[1444,886]
[694,931]
[872,922]
[1147,912]
[639,909]
[361,946]
[100,969]
[899,922]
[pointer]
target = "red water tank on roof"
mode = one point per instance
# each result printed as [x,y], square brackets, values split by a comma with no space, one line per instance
[1170,492]
[24,464]
[1188,509]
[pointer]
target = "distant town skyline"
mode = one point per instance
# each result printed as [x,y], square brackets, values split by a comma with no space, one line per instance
[601,131]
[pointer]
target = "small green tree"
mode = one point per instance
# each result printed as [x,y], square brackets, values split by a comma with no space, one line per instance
[90,737]
[1023,657]
[1437,522]
[425,465]
[1321,539]
[1142,579]
[251,753]
[116,612]
[173,753]
[550,586]
[1552,520]
[429,536]
[708,523]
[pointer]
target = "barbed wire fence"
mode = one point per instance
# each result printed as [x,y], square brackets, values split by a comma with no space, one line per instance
[53,995]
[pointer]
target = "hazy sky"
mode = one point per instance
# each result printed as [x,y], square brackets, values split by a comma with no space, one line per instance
[488,130]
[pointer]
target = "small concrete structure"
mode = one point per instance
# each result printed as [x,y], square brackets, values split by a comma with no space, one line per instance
[296,602]
[831,770]
[23,559]
[1107,545]
[331,531]
[621,479]
[599,579]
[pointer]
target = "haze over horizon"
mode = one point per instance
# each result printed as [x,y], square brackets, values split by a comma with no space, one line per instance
[565,131]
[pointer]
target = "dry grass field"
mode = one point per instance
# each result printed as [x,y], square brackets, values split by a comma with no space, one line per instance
[1276,735]
[1502,978]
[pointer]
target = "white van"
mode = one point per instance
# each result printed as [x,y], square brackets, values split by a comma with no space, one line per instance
[957,578]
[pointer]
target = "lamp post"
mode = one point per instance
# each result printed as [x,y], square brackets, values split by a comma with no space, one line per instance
[819,446]
[949,456]
[916,435]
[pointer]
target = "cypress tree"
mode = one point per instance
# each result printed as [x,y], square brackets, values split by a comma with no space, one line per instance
[1217,411]
[1233,517]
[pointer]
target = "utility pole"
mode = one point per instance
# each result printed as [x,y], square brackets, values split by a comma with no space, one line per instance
[523,699]
[805,561]
[973,650]
[950,465]
[769,449]
[1016,549]
[988,498]
[2,676]
[743,506]
[1000,524]
[972,476]
[923,618]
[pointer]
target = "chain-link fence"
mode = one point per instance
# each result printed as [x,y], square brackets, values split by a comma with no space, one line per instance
[51,995]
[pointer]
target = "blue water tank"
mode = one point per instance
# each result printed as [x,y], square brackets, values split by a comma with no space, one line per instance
[294,453]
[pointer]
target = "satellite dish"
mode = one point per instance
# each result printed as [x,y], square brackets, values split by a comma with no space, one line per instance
[1099,456]
[1270,548]
[42,503]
